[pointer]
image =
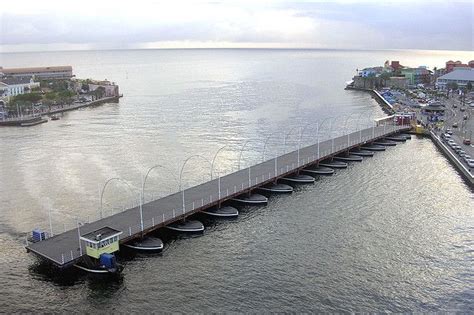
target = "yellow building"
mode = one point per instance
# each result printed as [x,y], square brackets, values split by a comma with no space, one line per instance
[104,240]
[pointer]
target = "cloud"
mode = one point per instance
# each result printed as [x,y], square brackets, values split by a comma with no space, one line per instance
[336,24]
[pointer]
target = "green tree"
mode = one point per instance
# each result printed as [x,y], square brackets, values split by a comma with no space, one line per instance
[27,98]
[384,77]
[99,92]
[469,86]
[51,96]
[65,97]
[452,86]
[85,87]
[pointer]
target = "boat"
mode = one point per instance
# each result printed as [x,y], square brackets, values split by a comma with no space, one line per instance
[373,148]
[386,143]
[101,269]
[407,136]
[191,226]
[334,164]
[396,138]
[276,188]
[319,170]
[100,247]
[299,179]
[363,153]
[350,158]
[148,244]
[253,199]
[34,122]
[54,117]
[224,212]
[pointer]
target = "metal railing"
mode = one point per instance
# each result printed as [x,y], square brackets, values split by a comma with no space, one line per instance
[226,192]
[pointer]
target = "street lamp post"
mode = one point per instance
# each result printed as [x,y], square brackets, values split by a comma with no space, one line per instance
[148,173]
[276,153]
[240,158]
[299,141]
[79,236]
[181,176]
[319,129]
[103,190]
[215,157]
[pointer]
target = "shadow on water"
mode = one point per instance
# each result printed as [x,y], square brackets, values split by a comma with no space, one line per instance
[45,271]
[68,277]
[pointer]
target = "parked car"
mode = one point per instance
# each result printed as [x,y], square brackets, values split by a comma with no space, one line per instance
[461,153]
[467,157]
[455,125]
[462,109]
[470,163]
[449,131]
[464,117]
[466,141]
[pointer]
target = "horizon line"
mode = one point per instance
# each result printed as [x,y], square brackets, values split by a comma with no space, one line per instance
[225,48]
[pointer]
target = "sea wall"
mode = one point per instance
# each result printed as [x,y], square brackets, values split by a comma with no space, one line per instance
[466,173]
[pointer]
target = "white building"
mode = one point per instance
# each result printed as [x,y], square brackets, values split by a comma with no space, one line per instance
[110,88]
[3,90]
[459,76]
[3,99]
[59,72]
[13,86]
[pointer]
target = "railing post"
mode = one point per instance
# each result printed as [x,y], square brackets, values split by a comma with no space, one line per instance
[276,165]
[250,181]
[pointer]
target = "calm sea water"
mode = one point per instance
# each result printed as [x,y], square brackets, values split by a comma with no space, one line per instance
[394,233]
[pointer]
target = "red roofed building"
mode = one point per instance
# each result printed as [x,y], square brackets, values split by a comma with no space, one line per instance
[395,65]
[452,65]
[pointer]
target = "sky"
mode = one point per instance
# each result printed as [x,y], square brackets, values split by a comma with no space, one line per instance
[32,25]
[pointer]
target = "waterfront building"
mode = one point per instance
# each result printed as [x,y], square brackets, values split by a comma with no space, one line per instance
[3,100]
[370,72]
[395,65]
[459,76]
[397,82]
[455,65]
[13,86]
[57,72]
[110,88]
[3,90]
[420,75]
